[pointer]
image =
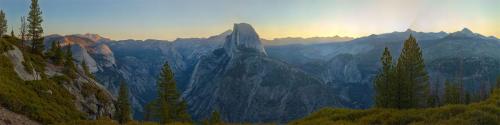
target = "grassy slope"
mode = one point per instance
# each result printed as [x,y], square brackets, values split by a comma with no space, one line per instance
[482,113]
[112,122]
[45,100]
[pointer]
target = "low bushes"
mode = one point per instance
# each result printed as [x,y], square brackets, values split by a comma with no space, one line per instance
[482,113]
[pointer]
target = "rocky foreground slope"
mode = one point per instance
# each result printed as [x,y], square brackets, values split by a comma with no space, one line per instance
[8,117]
[44,93]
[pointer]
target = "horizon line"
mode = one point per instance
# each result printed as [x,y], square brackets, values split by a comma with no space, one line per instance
[271,39]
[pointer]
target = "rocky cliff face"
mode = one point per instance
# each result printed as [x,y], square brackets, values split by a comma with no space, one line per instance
[242,83]
[139,63]
[90,48]
[91,98]
[17,58]
[350,67]
[342,68]
[243,39]
[208,67]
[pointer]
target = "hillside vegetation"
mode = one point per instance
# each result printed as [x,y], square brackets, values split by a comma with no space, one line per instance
[403,97]
[483,113]
[46,100]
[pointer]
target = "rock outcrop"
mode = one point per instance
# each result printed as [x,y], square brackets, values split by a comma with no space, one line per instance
[91,98]
[243,39]
[90,48]
[342,68]
[17,58]
[245,85]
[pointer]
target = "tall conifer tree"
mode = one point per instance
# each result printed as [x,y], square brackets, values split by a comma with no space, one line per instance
[467,98]
[384,96]
[12,34]
[151,111]
[498,82]
[35,30]
[22,31]
[215,119]
[413,80]
[51,52]
[433,100]
[172,107]
[58,54]
[3,23]
[123,109]
[69,65]
[451,93]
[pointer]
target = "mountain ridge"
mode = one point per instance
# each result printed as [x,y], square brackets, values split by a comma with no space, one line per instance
[237,80]
[139,61]
[287,40]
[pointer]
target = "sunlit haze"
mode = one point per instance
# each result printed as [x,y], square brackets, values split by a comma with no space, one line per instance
[170,19]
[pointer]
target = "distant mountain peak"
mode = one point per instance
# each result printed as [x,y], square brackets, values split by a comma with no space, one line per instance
[221,36]
[93,37]
[467,30]
[466,33]
[227,32]
[243,39]
[409,30]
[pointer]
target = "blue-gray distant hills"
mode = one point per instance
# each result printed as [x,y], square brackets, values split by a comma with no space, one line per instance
[241,82]
[247,80]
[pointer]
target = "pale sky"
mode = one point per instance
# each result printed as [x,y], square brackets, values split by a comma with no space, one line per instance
[171,19]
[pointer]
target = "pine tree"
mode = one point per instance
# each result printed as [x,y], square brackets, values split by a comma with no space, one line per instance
[58,54]
[461,90]
[413,80]
[467,98]
[172,107]
[215,118]
[86,69]
[22,31]
[181,111]
[12,34]
[69,65]
[123,110]
[3,23]
[150,110]
[451,93]
[483,93]
[55,53]
[35,30]
[498,82]
[383,82]
[51,52]
[434,100]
